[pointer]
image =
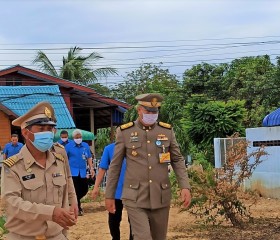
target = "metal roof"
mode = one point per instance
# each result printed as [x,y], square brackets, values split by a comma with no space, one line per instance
[272,119]
[19,99]
[79,89]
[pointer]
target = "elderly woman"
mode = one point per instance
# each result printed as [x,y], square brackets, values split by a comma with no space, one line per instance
[79,156]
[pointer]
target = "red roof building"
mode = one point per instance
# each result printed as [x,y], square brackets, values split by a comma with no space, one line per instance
[89,109]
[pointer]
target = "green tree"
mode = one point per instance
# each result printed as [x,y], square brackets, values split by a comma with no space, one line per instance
[247,77]
[102,140]
[208,120]
[147,79]
[204,79]
[75,67]
[253,80]
[100,89]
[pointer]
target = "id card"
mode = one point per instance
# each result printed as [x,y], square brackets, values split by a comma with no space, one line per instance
[164,157]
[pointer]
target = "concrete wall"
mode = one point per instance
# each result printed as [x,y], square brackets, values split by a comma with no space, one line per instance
[266,177]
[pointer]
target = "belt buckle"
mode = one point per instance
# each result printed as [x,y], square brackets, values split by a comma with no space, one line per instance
[40,237]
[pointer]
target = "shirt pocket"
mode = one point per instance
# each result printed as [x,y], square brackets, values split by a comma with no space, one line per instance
[34,191]
[165,193]
[130,191]
[59,184]
[133,150]
[164,146]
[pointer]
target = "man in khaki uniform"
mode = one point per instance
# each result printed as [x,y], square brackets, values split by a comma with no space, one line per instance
[36,187]
[148,146]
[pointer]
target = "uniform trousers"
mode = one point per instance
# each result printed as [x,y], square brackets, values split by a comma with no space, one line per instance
[148,224]
[14,236]
[81,188]
[114,221]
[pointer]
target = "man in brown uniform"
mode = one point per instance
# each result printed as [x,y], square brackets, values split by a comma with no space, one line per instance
[36,187]
[148,146]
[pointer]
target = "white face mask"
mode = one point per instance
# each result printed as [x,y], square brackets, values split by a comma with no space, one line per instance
[150,119]
[64,139]
[78,140]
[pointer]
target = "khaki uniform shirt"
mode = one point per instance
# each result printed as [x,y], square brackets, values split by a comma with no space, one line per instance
[31,192]
[58,148]
[146,182]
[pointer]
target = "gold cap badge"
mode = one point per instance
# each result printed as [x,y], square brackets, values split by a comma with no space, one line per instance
[48,112]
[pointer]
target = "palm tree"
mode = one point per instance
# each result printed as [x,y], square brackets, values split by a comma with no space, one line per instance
[75,67]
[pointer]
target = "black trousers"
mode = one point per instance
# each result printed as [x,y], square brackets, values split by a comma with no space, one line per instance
[115,220]
[81,188]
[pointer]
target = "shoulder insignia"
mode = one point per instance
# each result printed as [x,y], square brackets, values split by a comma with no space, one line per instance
[126,125]
[9,162]
[58,145]
[59,156]
[165,125]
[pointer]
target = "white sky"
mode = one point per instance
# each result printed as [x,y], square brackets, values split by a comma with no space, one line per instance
[175,32]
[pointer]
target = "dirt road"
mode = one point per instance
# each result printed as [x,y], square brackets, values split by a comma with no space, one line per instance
[93,225]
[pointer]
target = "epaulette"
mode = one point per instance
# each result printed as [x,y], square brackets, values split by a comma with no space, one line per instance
[126,125]
[58,145]
[58,156]
[9,162]
[165,125]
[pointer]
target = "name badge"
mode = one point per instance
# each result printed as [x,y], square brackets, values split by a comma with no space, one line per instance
[164,157]
[28,177]
[57,174]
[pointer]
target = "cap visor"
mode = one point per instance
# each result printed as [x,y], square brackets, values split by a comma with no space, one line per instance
[45,123]
[149,109]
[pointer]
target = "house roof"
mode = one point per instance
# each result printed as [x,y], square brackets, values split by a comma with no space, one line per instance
[80,90]
[17,100]
[83,98]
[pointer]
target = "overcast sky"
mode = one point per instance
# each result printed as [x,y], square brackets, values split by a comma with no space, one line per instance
[128,33]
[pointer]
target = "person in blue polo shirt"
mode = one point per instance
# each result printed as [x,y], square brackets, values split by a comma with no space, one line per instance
[12,147]
[114,219]
[64,138]
[79,156]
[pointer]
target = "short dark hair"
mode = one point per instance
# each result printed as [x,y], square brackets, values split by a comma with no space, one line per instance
[14,135]
[63,132]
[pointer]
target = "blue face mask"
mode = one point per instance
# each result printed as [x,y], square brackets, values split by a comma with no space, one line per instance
[43,141]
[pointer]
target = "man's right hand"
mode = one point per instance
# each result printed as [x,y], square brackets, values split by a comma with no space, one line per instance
[94,193]
[110,205]
[63,217]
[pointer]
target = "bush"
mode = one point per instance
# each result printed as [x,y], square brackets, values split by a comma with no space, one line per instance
[3,230]
[215,192]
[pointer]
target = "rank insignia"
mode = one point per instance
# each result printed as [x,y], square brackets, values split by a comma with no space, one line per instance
[126,125]
[29,170]
[58,156]
[134,137]
[28,177]
[9,162]
[162,137]
[165,125]
[134,153]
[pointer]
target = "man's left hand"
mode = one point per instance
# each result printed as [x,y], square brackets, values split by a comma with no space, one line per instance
[186,197]
[74,209]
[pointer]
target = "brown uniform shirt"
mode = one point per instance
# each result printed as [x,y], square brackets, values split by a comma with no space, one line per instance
[146,182]
[31,192]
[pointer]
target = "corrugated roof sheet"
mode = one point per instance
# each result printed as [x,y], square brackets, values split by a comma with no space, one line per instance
[20,99]
[272,119]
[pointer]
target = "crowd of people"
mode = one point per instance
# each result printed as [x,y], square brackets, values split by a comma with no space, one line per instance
[43,182]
